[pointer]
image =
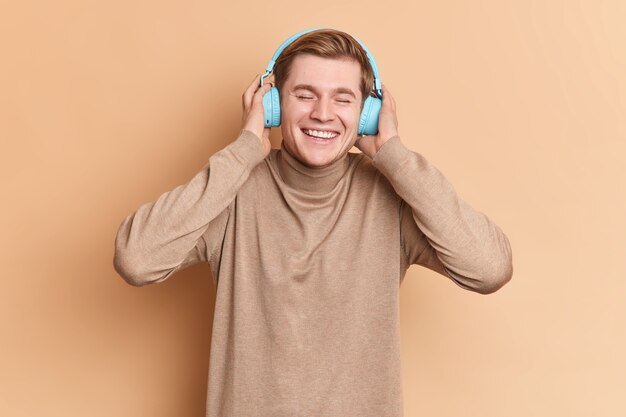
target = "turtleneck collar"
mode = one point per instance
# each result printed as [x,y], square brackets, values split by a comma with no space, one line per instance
[313,180]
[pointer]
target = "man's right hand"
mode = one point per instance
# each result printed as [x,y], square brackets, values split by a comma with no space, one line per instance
[253,115]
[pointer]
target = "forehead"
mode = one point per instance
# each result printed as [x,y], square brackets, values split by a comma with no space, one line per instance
[324,73]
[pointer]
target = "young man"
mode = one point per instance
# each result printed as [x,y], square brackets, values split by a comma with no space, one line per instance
[308,244]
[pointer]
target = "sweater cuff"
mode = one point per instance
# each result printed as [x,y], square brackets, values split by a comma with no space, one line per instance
[389,157]
[248,148]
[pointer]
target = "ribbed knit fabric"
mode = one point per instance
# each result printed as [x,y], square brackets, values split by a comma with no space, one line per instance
[308,265]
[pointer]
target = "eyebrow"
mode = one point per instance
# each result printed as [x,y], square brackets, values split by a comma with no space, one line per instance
[339,90]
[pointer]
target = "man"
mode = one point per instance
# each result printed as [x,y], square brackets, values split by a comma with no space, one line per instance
[308,244]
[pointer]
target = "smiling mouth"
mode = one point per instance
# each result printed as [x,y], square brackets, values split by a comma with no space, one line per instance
[320,136]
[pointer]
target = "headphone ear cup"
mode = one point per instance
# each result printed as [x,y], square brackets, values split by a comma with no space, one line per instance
[271,107]
[368,123]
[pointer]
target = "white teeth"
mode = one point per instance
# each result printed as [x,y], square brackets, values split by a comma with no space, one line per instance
[320,134]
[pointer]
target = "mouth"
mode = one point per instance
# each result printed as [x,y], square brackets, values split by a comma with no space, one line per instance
[320,136]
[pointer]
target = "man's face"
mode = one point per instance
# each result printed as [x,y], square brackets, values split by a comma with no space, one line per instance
[321,97]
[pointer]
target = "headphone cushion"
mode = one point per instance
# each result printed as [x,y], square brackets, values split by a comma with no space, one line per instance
[368,123]
[271,107]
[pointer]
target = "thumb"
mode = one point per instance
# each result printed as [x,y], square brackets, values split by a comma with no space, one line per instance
[366,145]
[359,142]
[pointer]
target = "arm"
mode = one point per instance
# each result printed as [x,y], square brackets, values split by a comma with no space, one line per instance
[183,226]
[186,225]
[438,229]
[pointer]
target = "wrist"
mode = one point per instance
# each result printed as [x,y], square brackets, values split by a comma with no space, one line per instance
[258,135]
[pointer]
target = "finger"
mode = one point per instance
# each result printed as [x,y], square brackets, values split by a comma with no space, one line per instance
[391,102]
[389,97]
[386,93]
[258,96]
[386,97]
[357,142]
[247,95]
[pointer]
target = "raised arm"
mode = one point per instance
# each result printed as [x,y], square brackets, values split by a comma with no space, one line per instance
[168,234]
[441,231]
[438,229]
[185,226]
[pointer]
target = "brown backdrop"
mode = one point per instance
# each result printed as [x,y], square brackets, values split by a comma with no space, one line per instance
[105,105]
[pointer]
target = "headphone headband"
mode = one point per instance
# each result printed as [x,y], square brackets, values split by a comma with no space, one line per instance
[270,65]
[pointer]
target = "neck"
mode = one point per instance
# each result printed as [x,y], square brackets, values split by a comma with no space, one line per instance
[298,175]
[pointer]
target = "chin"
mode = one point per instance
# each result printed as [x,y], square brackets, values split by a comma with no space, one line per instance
[313,153]
[319,157]
[315,161]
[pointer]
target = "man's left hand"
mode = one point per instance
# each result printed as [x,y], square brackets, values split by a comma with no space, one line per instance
[387,126]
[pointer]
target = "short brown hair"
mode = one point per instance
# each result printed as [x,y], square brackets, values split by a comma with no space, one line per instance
[326,43]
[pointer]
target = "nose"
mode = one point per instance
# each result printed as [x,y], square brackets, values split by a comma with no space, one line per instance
[322,110]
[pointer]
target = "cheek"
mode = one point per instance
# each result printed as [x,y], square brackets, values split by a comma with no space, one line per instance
[293,111]
[351,116]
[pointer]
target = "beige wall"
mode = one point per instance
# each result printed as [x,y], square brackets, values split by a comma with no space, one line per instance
[105,105]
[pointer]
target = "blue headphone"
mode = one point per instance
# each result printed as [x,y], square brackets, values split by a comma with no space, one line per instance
[368,123]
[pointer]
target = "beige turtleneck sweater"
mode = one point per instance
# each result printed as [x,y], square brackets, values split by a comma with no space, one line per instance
[307,265]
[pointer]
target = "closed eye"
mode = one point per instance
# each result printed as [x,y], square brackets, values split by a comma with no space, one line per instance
[310,98]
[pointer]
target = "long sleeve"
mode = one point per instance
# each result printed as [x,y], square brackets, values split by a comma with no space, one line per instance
[438,229]
[184,226]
